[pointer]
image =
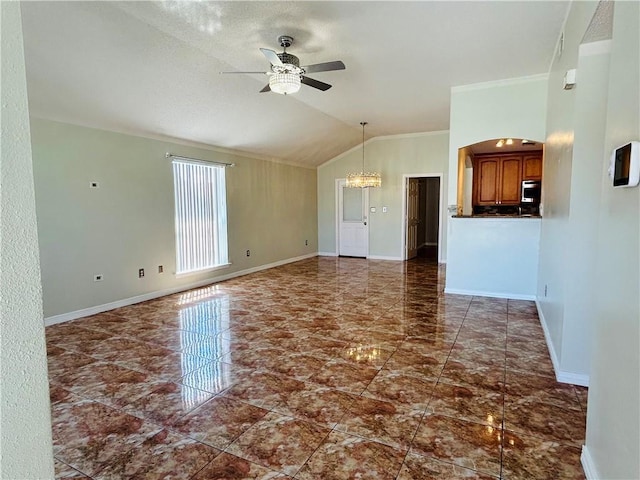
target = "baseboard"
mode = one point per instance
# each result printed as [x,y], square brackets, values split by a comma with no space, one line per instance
[561,376]
[327,254]
[384,257]
[581,379]
[85,312]
[588,465]
[481,293]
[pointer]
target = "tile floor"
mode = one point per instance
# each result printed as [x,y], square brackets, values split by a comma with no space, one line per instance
[322,369]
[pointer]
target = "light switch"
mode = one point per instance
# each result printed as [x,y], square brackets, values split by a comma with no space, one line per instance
[384,209]
[373,209]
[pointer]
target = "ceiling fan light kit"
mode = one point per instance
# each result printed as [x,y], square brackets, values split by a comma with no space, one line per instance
[284,83]
[363,179]
[286,75]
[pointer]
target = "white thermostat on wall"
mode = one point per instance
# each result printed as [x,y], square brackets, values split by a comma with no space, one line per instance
[625,165]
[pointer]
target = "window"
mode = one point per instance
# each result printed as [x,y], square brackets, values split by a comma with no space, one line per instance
[201,216]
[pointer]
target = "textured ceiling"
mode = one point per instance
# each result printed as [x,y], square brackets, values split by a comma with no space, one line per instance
[601,25]
[152,68]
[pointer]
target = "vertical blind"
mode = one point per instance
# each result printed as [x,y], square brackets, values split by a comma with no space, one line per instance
[201,216]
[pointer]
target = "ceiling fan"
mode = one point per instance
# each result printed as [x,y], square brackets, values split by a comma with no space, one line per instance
[287,75]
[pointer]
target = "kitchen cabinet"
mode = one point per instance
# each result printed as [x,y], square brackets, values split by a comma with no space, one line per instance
[532,167]
[497,180]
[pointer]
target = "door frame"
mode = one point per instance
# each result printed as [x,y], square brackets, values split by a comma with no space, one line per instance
[339,183]
[405,178]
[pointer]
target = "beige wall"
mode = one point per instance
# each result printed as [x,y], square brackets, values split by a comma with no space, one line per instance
[127,223]
[613,416]
[393,157]
[557,236]
[25,425]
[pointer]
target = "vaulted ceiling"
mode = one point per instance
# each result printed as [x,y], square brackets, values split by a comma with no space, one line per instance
[152,68]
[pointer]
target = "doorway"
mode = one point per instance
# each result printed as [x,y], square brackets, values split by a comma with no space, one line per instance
[352,222]
[423,216]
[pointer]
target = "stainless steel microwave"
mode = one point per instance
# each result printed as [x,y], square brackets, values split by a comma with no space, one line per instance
[530,191]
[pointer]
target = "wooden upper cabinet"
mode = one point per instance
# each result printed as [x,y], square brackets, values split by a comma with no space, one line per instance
[487,181]
[510,181]
[497,180]
[532,167]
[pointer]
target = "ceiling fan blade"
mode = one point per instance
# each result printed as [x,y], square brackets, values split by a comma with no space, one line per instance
[324,67]
[262,73]
[315,83]
[272,56]
[266,88]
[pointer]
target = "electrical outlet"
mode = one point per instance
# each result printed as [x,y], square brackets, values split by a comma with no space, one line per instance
[545,289]
[248,253]
[384,209]
[140,272]
[160,269]
[97,278]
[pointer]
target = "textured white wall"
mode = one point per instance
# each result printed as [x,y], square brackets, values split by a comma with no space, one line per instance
[613,416]
[25,433]
[555,235]
[510,108]
[494,257]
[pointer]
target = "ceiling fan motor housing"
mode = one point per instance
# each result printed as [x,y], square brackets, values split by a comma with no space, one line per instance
[287,58]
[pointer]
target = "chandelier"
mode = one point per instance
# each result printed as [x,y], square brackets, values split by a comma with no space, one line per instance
[363,179]
[284,83]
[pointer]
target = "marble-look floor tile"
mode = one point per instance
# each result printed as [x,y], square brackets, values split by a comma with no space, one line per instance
[63,471]
[527,457]
[468,373]
[165,402]
[381,421]
[229,467]
[219,421]
[418,467]
[164,455]
[424,366]
[536,364]
[269,363]
[322,405]
[406,391]
[63,368]
[347,376]
[265,389]
[467,444]
[215,377]
[342,457]
[279,442]
[470,403]
[370,355]
[583,395]
[88,435]
[110,383]
[545,421]
[539,389]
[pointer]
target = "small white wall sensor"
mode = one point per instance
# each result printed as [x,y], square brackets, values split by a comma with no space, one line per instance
[569,79]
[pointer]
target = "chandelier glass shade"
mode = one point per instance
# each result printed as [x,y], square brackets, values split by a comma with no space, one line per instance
[363,179]
[284,83]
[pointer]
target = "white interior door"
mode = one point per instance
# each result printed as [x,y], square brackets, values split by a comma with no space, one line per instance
[413,217]
[353,225]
